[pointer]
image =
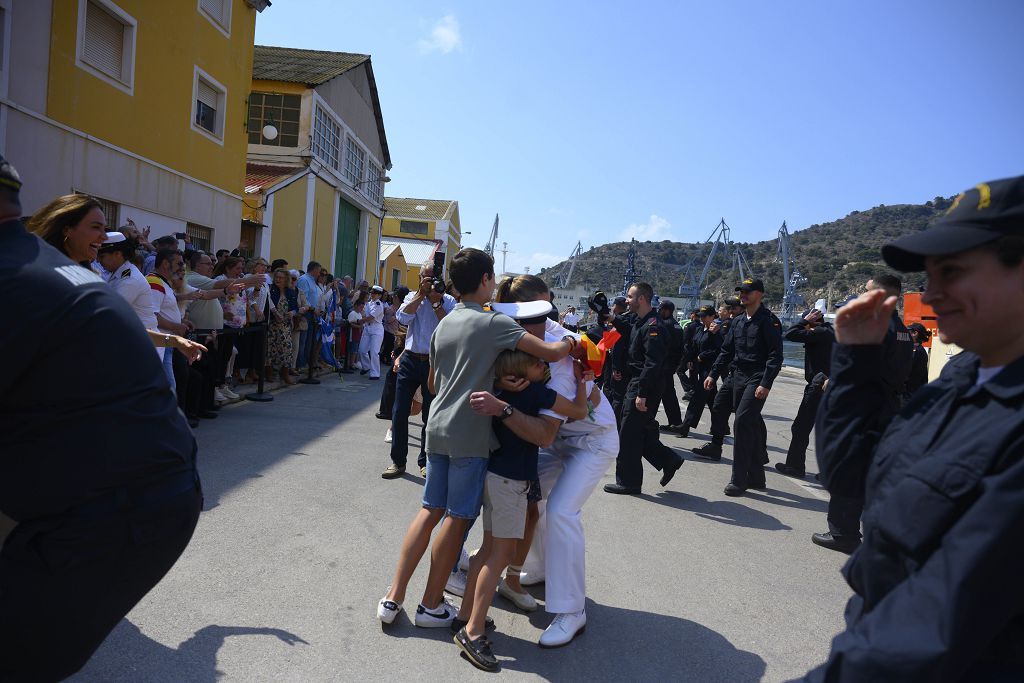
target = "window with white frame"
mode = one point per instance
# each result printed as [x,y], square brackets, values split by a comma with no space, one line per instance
[374,187]
[326,138]
[217,11]
[355,160]
[106,42]
[208,104]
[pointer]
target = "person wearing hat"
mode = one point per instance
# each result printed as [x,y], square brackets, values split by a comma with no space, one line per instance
[373,333]
[722,405]
[674,352]
[936,582]
[702,354]
[638,430]
[754,348]
[99,492]
[817,336]
[846,503]
[919,364]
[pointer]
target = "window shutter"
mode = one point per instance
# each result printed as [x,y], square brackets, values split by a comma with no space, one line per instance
[104,41]
[215,8]
[206,94]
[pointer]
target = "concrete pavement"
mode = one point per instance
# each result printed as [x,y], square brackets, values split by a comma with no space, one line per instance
[300,536]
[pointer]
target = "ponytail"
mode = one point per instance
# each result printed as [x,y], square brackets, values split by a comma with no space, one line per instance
[521,288]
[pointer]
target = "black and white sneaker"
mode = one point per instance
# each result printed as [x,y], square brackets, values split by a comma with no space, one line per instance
[387,610]
[439,617]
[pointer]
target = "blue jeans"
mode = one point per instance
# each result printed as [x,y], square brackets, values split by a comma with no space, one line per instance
[412,374]
[455,485]
[306,338]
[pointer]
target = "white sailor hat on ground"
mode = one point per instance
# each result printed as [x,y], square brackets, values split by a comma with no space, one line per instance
[524,310]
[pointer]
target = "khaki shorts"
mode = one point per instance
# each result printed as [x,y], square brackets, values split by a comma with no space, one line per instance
[505,506]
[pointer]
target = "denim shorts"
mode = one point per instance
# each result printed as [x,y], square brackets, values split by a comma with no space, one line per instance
[455,485]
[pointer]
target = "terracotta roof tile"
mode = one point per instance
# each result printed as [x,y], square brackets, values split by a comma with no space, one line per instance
[259,177]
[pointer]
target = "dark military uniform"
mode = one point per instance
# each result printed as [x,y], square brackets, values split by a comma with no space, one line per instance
[722,406]
[703,353]
[618,361]
[817,341]
[98,486]
[674,355]
[847,501]
[638,430]
[686,376]
[937,583]
[754,347]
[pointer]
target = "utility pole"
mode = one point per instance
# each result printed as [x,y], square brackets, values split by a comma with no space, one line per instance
[504,254]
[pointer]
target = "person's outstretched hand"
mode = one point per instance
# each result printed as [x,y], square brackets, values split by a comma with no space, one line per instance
[865,320]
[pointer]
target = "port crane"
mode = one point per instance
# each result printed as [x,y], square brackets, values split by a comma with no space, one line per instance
[564,277]
[493,240]
[693,285]
[791,301]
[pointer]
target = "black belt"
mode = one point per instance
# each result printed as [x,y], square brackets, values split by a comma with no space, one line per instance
[126,498]
[419,356]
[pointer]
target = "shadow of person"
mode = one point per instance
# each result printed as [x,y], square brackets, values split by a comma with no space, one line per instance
[724,511]
[789,500]
[625,644]
[129,654]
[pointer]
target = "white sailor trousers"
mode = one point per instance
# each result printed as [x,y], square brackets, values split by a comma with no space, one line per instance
[369,349]
[569,471]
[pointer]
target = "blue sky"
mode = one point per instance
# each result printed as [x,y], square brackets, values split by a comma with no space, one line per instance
[594,121]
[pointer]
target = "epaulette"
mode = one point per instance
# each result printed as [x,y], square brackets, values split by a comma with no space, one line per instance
[127,272]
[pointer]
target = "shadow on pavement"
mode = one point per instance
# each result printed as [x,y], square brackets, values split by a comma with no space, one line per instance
[195,660]
[625,644]
[724,511]
[789,500]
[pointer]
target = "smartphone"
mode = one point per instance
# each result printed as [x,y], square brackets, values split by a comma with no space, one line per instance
[180,235]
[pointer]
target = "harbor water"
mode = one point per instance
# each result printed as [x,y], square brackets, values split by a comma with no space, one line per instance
[792,354]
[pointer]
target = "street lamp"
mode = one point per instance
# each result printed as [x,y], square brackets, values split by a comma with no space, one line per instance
[270,130]
[385,179]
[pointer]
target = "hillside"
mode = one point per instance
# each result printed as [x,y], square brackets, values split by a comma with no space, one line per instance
[842,254]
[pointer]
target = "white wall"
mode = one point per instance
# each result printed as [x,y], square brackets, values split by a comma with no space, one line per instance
[159,225]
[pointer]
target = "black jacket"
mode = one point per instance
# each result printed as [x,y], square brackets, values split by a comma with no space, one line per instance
[646,356]
[918,376]
[937,581]
[675,345]
[753,345]
[817,341]
[704,350]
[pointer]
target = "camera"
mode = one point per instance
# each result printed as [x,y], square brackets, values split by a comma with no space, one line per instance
[180,235]
[437,283]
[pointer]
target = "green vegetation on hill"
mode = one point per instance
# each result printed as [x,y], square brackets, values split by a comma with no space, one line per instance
[841,255]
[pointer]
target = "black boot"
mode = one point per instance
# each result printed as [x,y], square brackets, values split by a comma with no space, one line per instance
[709,451]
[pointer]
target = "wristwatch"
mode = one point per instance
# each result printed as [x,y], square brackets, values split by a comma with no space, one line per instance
[506,412]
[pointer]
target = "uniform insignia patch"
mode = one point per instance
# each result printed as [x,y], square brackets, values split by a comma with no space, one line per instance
[126,272]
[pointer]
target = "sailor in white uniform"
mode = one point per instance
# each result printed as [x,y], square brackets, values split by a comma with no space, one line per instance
[373,333]
[127,280]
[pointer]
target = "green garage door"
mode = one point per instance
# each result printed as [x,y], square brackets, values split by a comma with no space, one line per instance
[347,256]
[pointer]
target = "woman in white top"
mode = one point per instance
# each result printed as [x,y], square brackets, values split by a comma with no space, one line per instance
[373,333]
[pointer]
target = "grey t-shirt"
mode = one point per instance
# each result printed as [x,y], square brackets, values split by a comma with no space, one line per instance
[462,353]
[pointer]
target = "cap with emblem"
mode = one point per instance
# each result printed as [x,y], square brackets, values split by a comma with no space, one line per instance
[751,285]
[732,301]
[115,242]
[979,215]
[526,311]
[377,288]
[9,177]
[706,311]
[619,301]
[667,304]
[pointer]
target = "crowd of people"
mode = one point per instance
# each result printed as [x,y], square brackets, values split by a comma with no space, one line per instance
[521,420]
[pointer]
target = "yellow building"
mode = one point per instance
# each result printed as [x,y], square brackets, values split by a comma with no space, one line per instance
[314,186]
[138,103]
[418,227]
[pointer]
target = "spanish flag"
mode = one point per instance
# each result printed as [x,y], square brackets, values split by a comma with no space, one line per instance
[596,353]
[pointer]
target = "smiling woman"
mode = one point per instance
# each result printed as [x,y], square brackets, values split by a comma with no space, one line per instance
[74,224]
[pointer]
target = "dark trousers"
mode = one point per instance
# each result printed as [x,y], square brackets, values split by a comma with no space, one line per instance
[207,368]
[684,379]
[66,581]
[189,381]
[844,516]
[387,394]
[721,408]
[615,391]
[412,374]
[701,398]
[220,354]
[639,438]
[803,423]
[386,347]
[750,447]
[669,400]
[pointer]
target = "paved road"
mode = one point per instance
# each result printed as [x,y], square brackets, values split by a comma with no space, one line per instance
[300,536]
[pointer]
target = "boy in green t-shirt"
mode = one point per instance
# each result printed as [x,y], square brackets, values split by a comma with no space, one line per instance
[459,440]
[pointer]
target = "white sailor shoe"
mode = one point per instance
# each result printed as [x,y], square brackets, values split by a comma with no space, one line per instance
[563,629]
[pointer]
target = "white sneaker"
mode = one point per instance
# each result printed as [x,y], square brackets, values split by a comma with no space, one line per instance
[464,559]
[218,395]
[387,437]
[387,610]
[523,601]
[436,618]
[226,391]
[563,629]
[457,583]
[531,578]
